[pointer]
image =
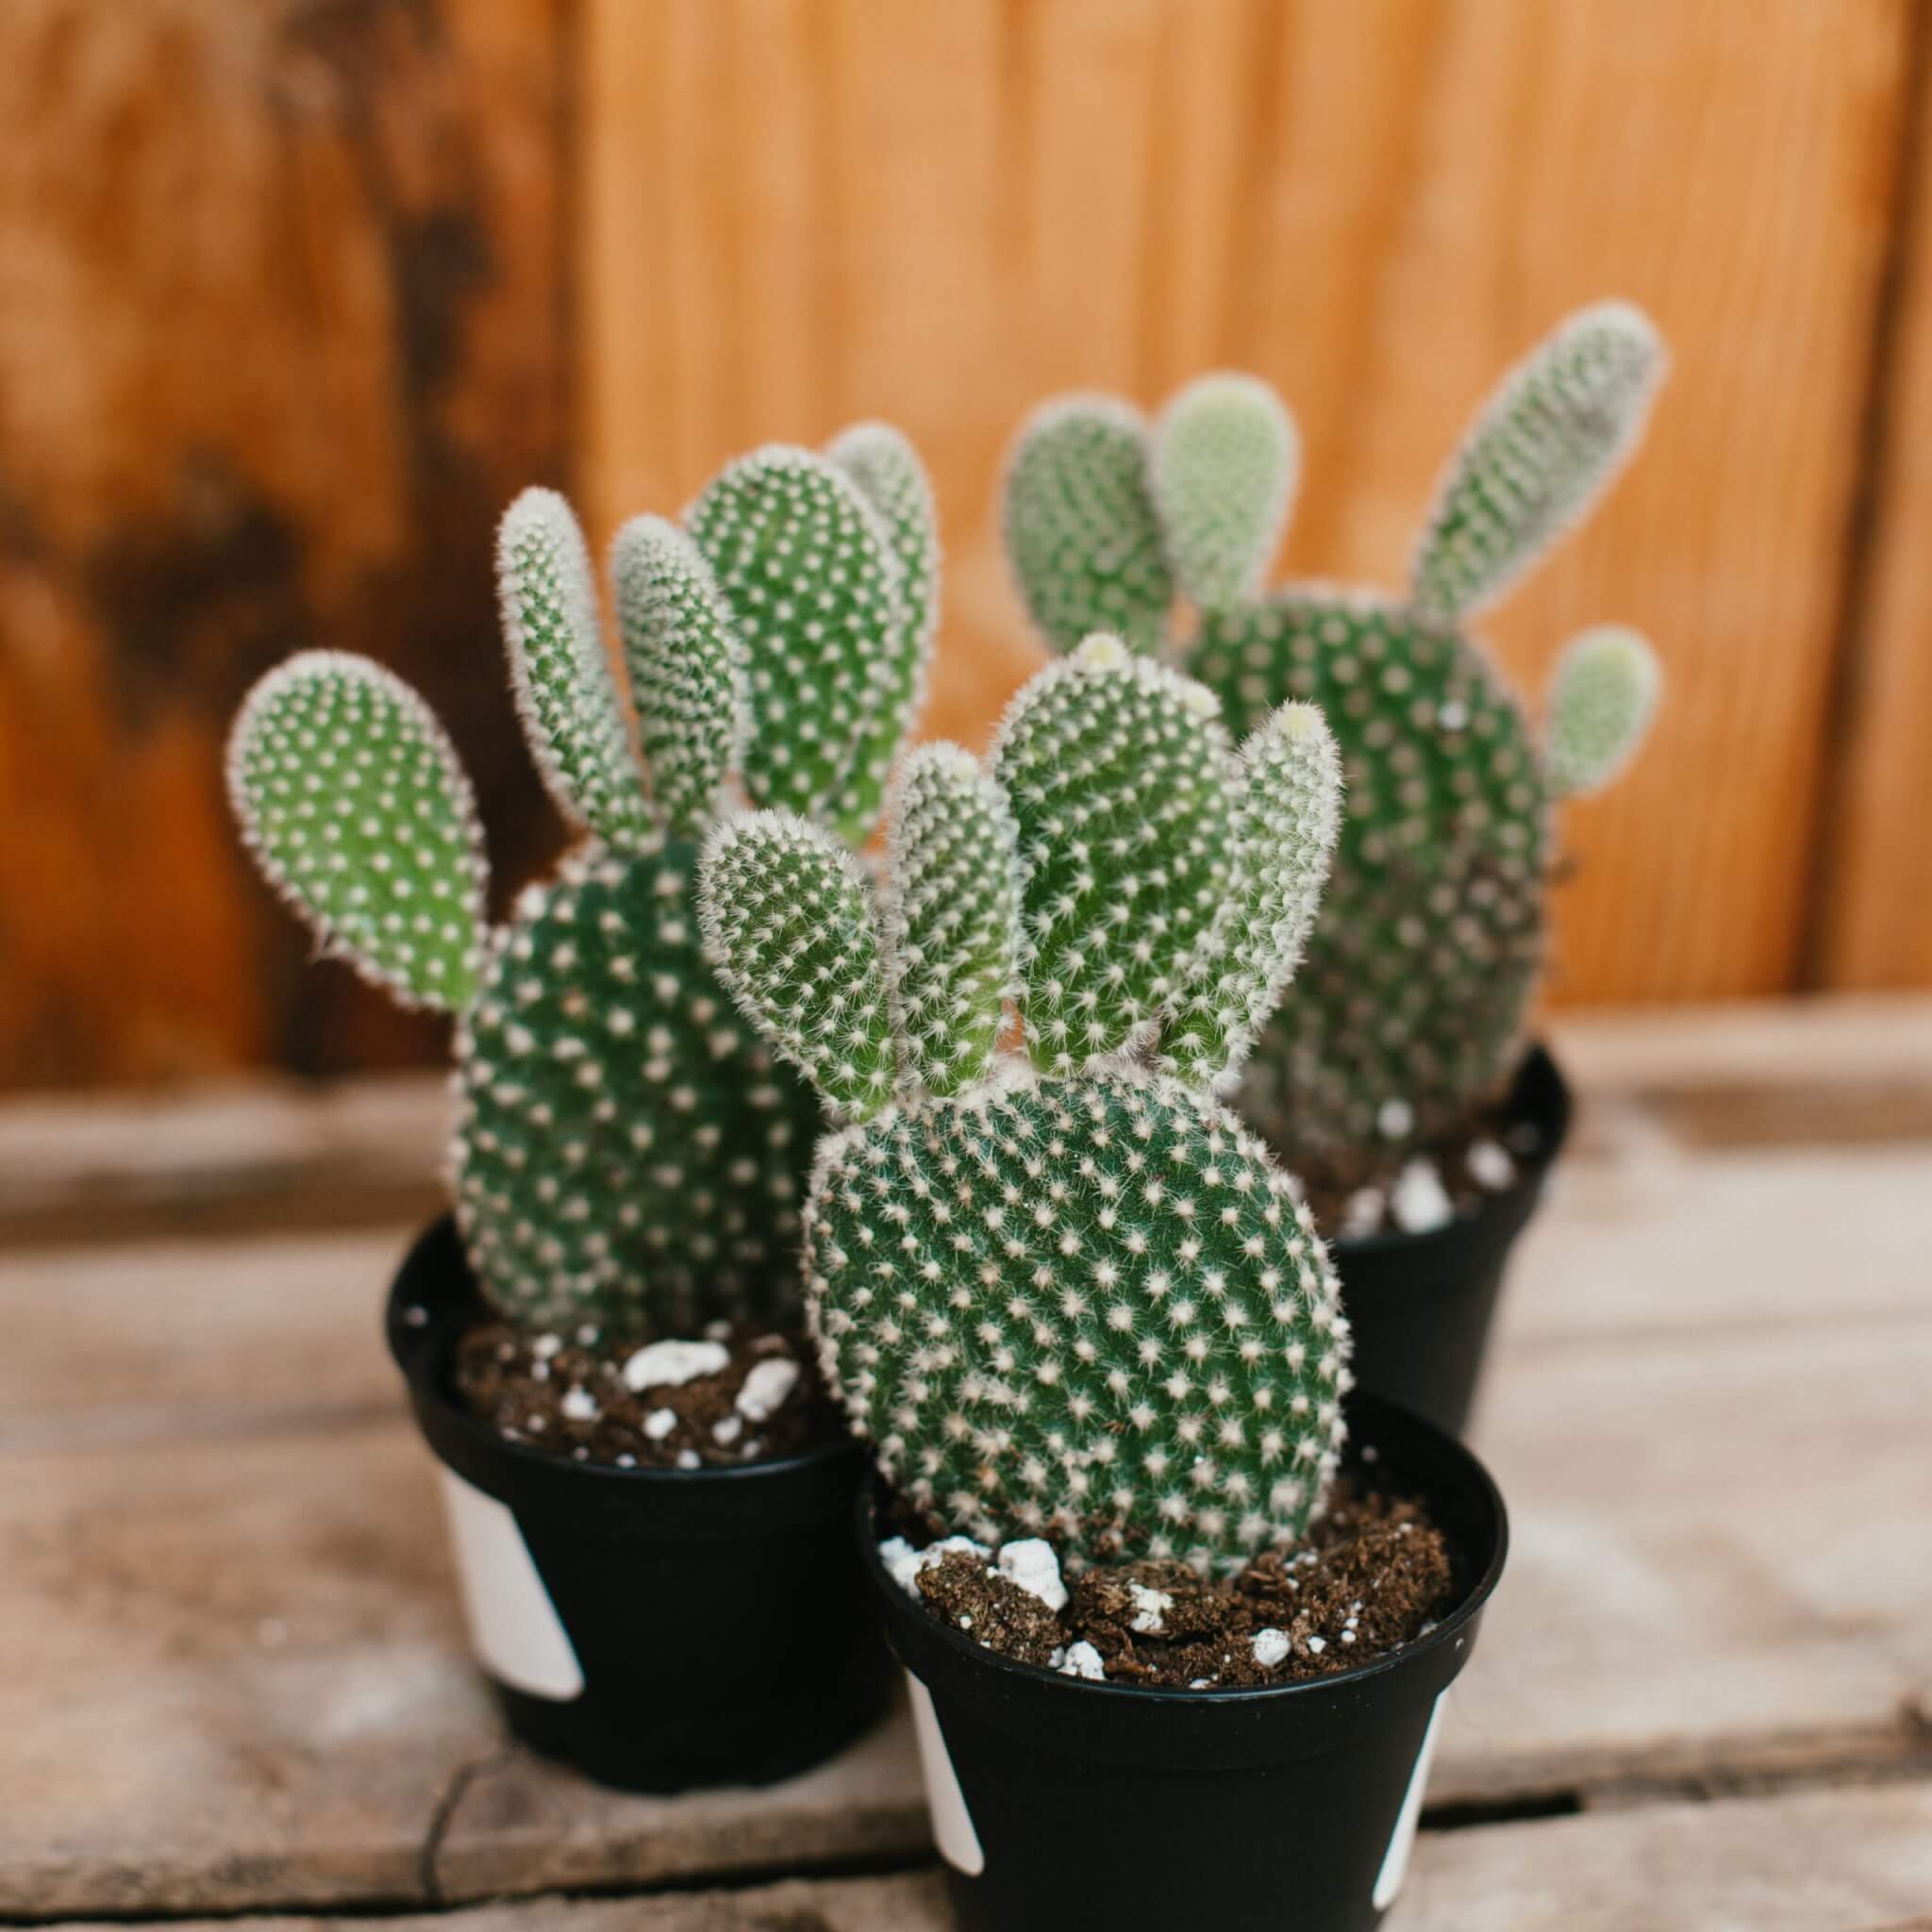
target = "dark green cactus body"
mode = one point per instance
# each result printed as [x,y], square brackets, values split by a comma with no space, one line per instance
[1411,1000]
[1410,995]
[1089,1308]
[627,1152]
[1118,776]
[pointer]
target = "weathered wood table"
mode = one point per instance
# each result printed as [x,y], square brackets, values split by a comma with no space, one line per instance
[232,1682]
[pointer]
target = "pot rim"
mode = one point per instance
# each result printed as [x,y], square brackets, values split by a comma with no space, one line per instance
[421,1353]
[1336,1684]
[1537,1089]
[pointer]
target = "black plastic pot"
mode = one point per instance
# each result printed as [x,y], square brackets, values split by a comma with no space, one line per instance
[1421,1304]
[1060,1803]
[655,1628]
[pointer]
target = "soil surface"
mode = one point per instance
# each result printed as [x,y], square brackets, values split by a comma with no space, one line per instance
[1370,1576]
[1361,1190]
[573,1397]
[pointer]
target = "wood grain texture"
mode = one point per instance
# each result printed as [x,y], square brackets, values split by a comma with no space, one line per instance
[799,213]
[238,1681]
[1815,1861]
[280,295]
[1875,869]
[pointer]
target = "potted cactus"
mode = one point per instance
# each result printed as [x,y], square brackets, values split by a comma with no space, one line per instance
[647,1484]
[1395,1079]
[1087,1327]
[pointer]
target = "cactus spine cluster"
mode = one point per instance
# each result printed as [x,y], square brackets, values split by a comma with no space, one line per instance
[1058,1285]
[1409,1010]
[627,1152]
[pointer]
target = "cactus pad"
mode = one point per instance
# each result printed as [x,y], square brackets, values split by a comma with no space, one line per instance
[686,679]
[562,679]
[1223,473]
[953,928]
[1411,997]
[356,809]
[1081,532]
[887,471]
[1120,782]
[626,1153]
[787,912]
[807,573]
[1091,1309]
[1545,446]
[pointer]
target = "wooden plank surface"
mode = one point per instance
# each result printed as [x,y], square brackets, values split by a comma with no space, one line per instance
[281,289]
[1856,1860]
[796,213]
[1875,867]
[239,1682]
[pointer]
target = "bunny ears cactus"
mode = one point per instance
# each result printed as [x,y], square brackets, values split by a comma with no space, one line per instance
[625,1153]
[1410,1009]
[1062,1289]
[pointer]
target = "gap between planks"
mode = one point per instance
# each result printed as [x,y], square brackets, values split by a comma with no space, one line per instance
[1820,1862]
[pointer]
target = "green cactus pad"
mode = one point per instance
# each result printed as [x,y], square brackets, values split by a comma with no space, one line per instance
[1408,1006]
[953,949]
[807,573]
[787,912]
[1121,781]
[564,689]
[1223,475]
[1544,447]
[1285,832]
[887,471]
[627,1154]
[686,680]
[356,808]
[1081,532]
[1601,702]
[1092,1311]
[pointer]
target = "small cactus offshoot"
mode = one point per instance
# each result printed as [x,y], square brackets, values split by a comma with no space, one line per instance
[1409,1014]
[627,1152]
[1055,1280]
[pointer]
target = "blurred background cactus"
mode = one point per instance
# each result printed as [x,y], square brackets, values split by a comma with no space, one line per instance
[1062,1289]
[1409,1014]
[626,1154]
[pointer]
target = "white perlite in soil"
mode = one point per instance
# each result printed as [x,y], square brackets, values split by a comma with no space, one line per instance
[765,1388]
[1032,1566]
[1419,1202]
[670,1364]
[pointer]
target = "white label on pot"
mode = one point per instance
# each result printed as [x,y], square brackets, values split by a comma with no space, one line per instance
[1395,1860]
[952,1823]
[513,1625]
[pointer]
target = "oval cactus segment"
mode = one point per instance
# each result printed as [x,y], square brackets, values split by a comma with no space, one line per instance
[1544,447]
[1089,1310]
[1602,700]
[357,811]
[813,587]
[1224,465]
[953,922]
[1290,814]
[887,471]
[787,912]
[1121,781]
[1081,533]
[686,679]
[1408,1009]
[627,1154]
[565,694]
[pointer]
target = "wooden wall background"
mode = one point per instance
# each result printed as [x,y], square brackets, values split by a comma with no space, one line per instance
[294,294]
